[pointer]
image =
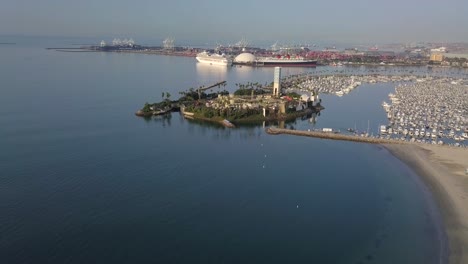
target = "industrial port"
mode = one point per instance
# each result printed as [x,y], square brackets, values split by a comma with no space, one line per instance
[435,54]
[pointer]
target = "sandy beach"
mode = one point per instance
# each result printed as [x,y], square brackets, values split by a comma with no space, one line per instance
[442,168]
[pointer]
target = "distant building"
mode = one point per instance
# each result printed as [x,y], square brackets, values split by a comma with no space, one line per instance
[439,50]
[437,57]
[123,43]
[330,49]
[387,53]
[351,51]
[372,53]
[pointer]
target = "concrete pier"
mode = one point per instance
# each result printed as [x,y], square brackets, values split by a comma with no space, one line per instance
[333,136]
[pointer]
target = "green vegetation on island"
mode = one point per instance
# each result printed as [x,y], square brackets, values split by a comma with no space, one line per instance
[252,102]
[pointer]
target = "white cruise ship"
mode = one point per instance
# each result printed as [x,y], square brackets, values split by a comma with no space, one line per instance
[213,58]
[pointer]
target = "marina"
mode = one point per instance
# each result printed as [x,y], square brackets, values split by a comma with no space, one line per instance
[340,83]
[424,109]
[428,110]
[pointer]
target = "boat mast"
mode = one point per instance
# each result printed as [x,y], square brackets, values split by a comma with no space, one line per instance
[368,127]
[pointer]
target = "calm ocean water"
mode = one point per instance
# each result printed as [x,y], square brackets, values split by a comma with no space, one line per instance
[82,180]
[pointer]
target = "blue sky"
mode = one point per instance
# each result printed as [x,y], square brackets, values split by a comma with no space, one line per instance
[200,21]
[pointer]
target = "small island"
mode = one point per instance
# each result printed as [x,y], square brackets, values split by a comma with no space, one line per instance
[250,103]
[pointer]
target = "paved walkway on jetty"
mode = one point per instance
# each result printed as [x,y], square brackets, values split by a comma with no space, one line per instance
[334,136]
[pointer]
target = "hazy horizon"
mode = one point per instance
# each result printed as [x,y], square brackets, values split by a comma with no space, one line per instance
[208,21]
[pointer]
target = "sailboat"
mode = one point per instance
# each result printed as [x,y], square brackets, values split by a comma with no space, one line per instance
[351,129]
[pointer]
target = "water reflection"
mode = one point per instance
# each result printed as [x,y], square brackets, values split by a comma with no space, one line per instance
[250,128]
[164,120]
[249,71]
[244,130]
[246,72]
[206,70]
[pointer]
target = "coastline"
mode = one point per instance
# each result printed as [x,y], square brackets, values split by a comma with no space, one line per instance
[442,169]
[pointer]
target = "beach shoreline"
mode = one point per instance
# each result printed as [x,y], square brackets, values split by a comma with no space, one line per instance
[442,169]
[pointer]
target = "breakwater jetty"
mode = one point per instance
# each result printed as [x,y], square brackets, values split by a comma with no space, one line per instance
[333,136]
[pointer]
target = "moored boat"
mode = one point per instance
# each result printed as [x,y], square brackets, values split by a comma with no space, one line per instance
[214,58]
[383,129]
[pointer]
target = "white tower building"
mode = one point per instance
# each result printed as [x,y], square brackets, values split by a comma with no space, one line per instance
[277,82]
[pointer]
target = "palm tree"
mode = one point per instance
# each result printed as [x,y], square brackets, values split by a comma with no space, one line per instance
[199,94]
